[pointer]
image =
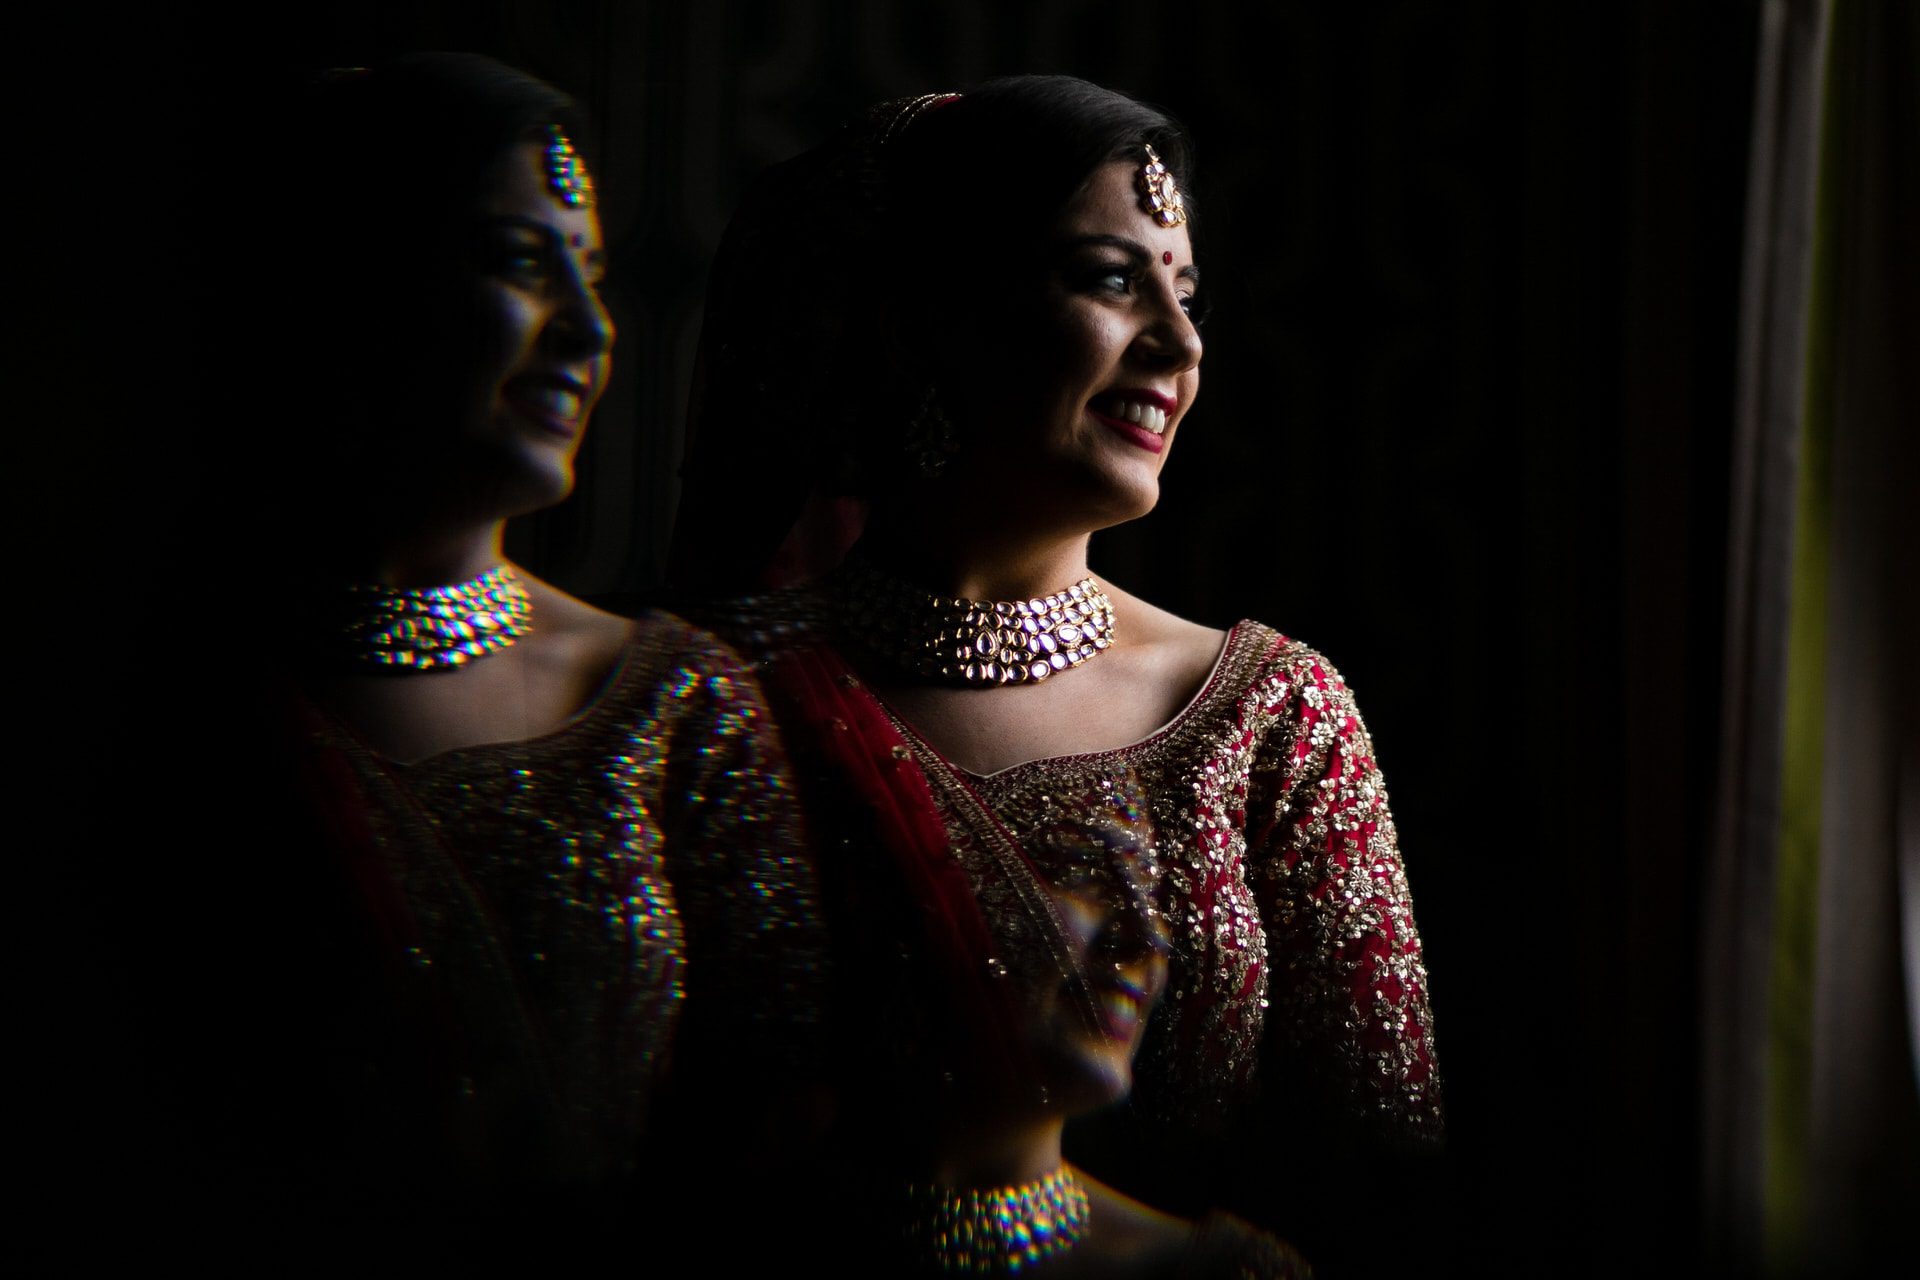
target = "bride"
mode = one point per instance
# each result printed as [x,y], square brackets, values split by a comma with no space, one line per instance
[941,352]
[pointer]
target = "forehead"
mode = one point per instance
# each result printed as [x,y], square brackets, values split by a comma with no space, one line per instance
[518,185]
[1110,204]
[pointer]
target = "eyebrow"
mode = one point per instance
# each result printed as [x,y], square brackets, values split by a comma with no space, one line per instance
[596,257]
[1140,254]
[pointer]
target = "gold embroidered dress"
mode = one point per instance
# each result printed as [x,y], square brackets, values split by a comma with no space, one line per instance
[1291,917]
[550,906]
[1296,963]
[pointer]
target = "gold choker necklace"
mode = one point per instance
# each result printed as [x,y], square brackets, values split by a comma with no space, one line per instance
[434,628]
[1000,1231]
[977,643]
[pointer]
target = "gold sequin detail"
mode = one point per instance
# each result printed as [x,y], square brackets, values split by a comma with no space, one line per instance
[1282,882]
[1288,901]
[572,890]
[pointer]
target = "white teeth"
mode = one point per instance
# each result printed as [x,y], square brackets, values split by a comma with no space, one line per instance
[1120,1007]
[1148,417]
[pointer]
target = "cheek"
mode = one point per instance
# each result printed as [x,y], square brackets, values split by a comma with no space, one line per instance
[460,341]
[1076,357]
[503,327]
[1189,392]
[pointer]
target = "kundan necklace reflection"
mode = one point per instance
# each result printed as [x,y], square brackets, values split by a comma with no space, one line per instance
[998,1231]
[402,629]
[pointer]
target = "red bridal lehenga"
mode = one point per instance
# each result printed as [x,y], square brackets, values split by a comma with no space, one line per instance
[1295,958]
[1292,923]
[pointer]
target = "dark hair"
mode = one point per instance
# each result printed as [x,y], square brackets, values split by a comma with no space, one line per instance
[356,155]
[419,134]
[817,308]
[1030,141]
[425,127]
[362,180]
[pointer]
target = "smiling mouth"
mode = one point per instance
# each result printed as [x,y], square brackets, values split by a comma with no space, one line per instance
[557,403]
[1122,1009]
[1132,410]
[1139,420]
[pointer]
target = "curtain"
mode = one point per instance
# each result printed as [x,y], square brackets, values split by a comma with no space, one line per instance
[1812,1122]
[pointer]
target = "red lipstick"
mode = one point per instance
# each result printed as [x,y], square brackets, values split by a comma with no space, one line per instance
[1112,409]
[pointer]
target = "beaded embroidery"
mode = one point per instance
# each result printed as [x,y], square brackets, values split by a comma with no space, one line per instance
[1283,885]
[998,1231]
[569,887]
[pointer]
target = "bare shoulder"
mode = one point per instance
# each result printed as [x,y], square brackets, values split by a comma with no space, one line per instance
[1180,651]
[580,638]
[1126,1237]
[572,634]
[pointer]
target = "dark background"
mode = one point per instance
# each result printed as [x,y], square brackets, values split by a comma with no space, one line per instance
[1465,428]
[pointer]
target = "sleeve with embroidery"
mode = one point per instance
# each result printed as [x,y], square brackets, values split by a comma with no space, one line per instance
[1348,1019]
[755,941]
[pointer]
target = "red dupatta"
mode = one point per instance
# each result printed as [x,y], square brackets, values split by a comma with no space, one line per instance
[832,717]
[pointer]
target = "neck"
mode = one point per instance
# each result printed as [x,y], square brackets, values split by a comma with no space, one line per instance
[428,557]
[999,1156]
[949,558]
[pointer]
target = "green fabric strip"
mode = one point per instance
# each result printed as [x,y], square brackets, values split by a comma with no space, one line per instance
[1795,938]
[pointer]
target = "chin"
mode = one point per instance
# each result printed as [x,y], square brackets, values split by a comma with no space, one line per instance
[1124,509]
[1144,502]
[1111,497]
[539,498]
[1096,1075]
[534,479]
[1096,1092]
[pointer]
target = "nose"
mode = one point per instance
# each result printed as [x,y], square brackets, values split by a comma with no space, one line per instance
[581,328]
[1170,341]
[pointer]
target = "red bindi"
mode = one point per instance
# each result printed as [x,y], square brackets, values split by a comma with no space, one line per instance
[1166,257]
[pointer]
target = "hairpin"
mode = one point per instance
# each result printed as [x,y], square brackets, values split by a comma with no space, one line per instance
[890,119]
[1159,194]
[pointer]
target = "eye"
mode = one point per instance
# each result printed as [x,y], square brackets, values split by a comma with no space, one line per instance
[1196,306]
[515,258]
[1116,278]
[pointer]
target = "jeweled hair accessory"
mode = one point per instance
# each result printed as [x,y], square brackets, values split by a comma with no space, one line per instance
[891,119]
[567,173]
[1159,194]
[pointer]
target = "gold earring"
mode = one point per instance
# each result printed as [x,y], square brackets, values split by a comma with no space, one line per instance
[929,440]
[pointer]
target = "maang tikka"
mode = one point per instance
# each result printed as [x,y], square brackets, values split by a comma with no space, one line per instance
[1159,194]
[567,175]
